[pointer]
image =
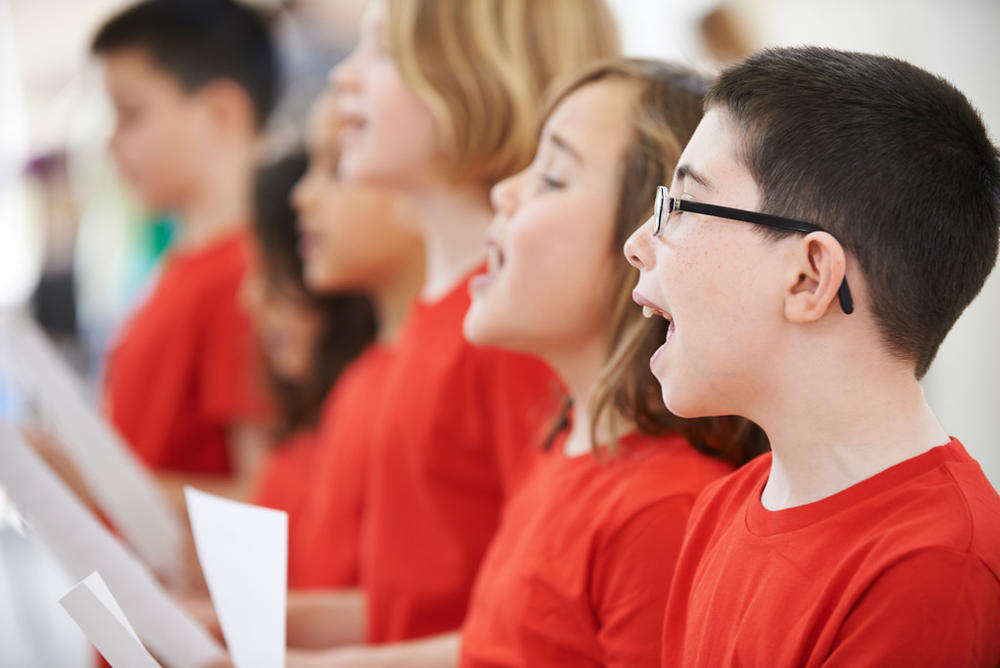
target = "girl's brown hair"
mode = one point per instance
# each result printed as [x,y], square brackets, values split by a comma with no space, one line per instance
[347,320]
[482,66]
[668,106]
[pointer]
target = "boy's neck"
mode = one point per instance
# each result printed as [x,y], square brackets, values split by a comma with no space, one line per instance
[220,202]
[454,223]
[841,426]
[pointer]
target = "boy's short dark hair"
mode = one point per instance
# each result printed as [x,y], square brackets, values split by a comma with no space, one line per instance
[198,41]
[892,160]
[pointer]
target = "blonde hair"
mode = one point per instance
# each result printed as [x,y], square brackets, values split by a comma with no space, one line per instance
[667,107]
[482,67]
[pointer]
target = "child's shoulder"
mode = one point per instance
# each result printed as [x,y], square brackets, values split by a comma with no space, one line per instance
[959,510]
[940,499]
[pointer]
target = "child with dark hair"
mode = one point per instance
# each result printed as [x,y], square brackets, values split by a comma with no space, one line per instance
[305,339]
[192,83]
[832,216]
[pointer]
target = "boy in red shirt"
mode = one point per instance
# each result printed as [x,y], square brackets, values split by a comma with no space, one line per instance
[868,536]
[192,83]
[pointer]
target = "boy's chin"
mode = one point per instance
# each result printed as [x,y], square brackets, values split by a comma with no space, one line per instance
[151,199]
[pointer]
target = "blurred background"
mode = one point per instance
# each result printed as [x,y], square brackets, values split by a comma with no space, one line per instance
[76,251]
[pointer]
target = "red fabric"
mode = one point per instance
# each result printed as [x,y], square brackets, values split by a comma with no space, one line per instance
[283,480]
[898,570]
[324,548]
[456,429]
[179,375]
[579,570]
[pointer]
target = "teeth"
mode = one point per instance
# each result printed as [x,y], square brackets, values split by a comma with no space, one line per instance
[648,312]
[494,259]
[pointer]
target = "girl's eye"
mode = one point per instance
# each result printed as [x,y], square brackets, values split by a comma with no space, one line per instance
[551,183]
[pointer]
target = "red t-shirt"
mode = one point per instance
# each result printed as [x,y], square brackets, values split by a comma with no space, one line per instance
[284,477]
[457,426]
[900,569]
[579,571]
[324,549]
[179,375]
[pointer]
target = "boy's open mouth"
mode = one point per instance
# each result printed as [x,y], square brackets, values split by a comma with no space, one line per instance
[649,310]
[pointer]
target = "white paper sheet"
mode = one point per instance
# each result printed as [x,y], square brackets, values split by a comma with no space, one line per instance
[243,550]
[93,607]
[82,545]
[122,487]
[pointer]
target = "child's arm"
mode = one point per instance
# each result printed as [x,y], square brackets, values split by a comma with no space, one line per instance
[248,446]
[323,619]
[436,652]
[61,464]
[317,622]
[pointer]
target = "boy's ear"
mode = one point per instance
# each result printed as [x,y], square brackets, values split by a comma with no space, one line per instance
[818,267]
[229,106]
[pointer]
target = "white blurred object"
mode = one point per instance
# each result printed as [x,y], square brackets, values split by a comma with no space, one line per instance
[34,631]
[82,545]
[125,491]
[93,607]
[243,550]
[20,242]
[663,28]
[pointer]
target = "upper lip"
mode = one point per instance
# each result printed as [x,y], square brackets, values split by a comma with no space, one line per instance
[349,116]
[642,301]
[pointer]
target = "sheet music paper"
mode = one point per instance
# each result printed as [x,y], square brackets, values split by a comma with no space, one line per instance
[82,545]
[243,550]
[125,491]
[93,607]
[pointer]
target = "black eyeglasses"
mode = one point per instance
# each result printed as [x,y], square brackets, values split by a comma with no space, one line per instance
[666,205]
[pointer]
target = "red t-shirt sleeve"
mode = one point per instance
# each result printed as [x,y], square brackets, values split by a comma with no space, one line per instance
[631,582]
[937,608]
[226,345]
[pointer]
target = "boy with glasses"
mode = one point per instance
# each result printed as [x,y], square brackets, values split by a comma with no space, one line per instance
[868,536]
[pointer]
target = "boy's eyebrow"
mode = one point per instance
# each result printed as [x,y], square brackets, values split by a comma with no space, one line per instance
[565,146]
[687,172]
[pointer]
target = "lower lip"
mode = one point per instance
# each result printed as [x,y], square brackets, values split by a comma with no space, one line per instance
[659,351]
[349,134]
[481,281]
[307,245]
